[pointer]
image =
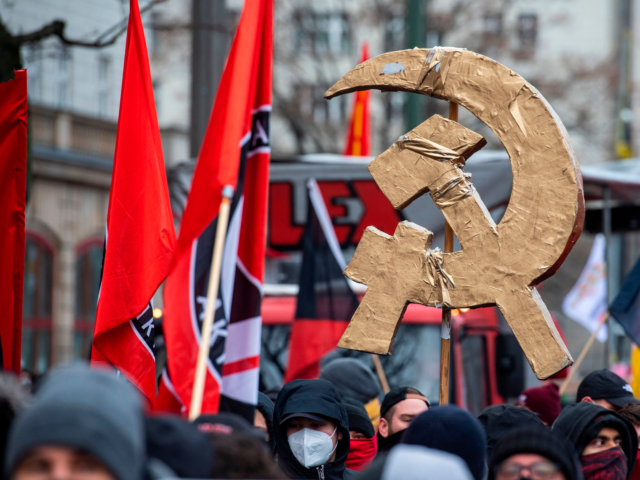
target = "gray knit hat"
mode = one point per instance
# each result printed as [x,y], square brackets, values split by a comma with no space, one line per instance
[88,410]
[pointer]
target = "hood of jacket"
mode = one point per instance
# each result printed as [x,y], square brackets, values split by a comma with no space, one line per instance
[310,396]
[580,423]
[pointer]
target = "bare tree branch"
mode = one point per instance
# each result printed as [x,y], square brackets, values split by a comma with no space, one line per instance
[56,28]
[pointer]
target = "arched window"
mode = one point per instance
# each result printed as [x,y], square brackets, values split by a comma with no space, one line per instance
[88,271]
[36,306]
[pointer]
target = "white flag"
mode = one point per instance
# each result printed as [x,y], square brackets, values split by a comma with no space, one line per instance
[586,303]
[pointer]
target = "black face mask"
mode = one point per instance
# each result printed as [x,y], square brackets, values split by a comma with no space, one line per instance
[386,444]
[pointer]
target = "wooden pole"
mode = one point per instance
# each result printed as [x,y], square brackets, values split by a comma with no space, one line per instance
[445,333]
[380,371]
[583,353]
[212,294]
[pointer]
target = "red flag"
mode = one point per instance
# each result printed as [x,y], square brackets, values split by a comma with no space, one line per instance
[235,152]
[326,302]
[358,141]
[140,237]
[168,400]
[13,196]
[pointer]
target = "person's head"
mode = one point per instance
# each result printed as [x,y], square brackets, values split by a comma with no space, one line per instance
[179,445]
[354,379]
[606,389]
[225,423]
[13,399]
[452,430]
[82,425]
[263,419]
[363,445]
[311,429]
[240,455]
[604,440]
[543,401]
[631,413]
[399,407]
[499,420]
[414,462]
[533,452]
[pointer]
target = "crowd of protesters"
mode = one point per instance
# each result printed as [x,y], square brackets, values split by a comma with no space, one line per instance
[84,424]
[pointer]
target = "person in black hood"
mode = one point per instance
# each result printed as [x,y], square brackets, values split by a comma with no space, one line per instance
[536,449]
[311,431]
[606,443]
[263,420]
[499,420]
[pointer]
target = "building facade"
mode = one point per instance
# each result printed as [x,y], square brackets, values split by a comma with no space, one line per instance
[570,50]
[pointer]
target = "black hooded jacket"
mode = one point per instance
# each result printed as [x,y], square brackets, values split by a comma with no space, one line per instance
[581,422]
[311,396]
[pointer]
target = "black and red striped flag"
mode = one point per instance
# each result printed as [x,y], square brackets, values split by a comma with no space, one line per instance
[236,152]
[140,237]
[326,302]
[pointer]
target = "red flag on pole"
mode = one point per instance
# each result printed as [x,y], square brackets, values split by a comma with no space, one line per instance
[13,197]
[235,152]
[140,237]
[358,141]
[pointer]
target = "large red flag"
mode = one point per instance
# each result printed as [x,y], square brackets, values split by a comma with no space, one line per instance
[358,141]
[140,238]
[235,152]
[13,193]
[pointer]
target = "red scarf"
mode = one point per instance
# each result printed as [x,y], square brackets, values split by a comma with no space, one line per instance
[361,453]
[607,465]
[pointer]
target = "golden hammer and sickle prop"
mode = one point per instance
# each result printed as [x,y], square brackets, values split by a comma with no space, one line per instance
[498,264]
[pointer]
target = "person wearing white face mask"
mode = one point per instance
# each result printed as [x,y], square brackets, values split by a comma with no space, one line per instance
[312,431]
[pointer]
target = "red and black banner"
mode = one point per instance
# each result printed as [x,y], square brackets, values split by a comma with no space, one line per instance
[326,302]
[140,237]
[236,152]
[13,199]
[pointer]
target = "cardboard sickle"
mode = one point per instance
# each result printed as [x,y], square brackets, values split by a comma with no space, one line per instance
[498,264]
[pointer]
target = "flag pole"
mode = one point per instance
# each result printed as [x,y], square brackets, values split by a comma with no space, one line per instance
[583,353]
[212,293]
[445,335]
[380,371]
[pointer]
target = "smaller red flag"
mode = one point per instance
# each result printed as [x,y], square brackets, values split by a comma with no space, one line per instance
[13,197]
[358,141]
[140,234]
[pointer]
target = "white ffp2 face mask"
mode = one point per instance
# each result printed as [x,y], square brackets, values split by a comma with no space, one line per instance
[312,448]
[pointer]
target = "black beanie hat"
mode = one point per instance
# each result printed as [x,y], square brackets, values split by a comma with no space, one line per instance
[538,440]
[500,420]
[180,445]
[453,430]
[85,409]
[352,378]
[359,420]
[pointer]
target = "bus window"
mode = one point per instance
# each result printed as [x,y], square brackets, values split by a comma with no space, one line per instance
[415,361]
[474,365]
